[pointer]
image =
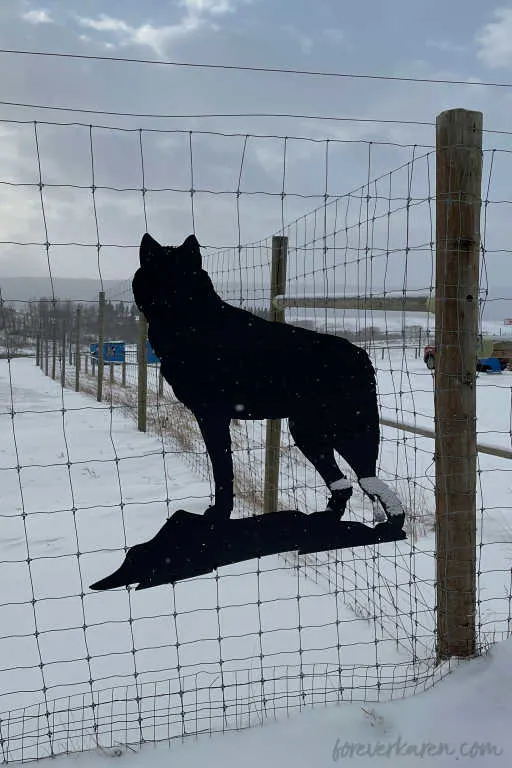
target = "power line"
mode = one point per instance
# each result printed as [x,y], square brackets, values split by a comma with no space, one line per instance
[268,70]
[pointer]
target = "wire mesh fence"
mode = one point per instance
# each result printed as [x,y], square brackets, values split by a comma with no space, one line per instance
[81,483]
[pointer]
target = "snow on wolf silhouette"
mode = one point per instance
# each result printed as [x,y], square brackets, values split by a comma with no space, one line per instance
[223,363]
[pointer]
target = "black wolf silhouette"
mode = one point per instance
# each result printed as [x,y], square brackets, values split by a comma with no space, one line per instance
[224,363]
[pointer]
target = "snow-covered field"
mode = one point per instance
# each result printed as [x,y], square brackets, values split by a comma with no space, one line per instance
[79,483]
[464,720]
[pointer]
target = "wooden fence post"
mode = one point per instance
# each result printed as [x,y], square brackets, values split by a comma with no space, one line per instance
[54,343]
[273,428]
[123,374]
[160,382]
[78,362]
[41,347]
[46,352]
[142,377]
[63,359]
[458,201]
[101,341]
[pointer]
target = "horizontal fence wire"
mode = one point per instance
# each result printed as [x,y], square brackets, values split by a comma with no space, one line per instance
[80,484]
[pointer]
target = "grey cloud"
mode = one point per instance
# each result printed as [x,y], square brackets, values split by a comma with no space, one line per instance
[196,15]
[494,40]
[221,217]
[37,16]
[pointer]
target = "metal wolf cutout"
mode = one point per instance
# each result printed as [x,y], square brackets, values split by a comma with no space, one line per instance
[223,363]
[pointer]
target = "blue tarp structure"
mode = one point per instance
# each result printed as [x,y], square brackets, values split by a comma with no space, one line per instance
[113,351]
[151,357]
[492,364]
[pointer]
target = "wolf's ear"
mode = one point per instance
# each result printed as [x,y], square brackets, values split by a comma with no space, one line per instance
[150,251]
[192,247]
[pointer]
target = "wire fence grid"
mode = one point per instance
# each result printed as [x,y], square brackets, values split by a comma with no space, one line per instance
[81,484]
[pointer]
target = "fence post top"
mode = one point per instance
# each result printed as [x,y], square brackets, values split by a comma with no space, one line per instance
[459,127]
[459,112]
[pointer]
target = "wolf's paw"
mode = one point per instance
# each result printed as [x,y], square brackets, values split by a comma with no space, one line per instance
[377,489]
[338,500]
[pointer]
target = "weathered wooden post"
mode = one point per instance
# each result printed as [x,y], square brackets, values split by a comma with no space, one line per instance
[63,359]
[101,342]
[273,429]
[142,377]
[46,353]
[54,342]
[78,362]
[458,194]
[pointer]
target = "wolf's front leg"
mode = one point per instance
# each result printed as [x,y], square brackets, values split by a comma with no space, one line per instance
[217,438]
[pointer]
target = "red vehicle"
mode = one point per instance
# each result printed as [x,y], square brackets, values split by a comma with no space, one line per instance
[429,357]
[482,364]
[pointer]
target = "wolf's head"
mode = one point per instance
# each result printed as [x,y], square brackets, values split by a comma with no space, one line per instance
[167,274]
[181,260]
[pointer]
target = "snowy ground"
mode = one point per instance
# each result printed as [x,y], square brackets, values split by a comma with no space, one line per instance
[57,638]
[205,646]
[465,719]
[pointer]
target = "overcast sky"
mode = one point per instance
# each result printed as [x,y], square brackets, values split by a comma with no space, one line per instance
[460,39]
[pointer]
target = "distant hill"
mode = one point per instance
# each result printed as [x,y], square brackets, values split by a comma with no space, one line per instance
[497,307]
[29,288]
